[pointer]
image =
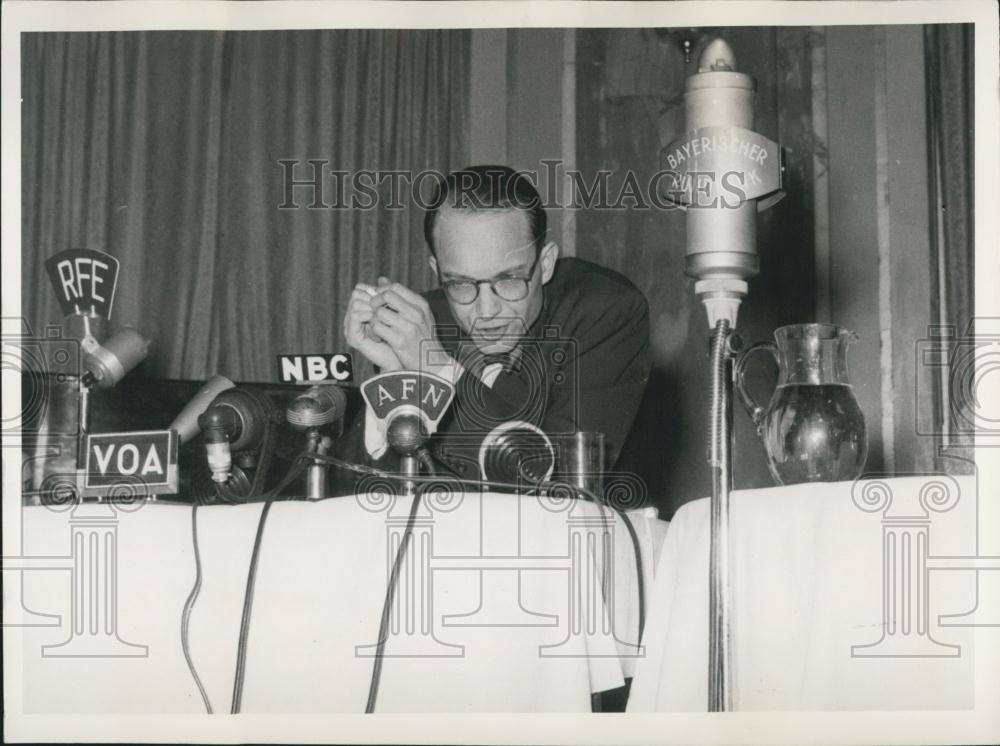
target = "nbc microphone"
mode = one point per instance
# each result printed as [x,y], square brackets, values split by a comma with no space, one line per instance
[320,405]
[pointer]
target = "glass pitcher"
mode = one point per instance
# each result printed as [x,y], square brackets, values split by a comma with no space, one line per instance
[812,428]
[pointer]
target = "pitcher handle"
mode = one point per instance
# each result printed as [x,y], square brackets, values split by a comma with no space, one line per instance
[755,411]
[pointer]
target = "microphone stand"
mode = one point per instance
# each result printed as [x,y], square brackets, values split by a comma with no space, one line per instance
[308,412]
[720,459]
[316,471]
[84,385]
[85,327]
[406,435]
[721,255]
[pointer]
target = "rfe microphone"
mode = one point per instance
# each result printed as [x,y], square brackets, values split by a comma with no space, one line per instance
[107,364]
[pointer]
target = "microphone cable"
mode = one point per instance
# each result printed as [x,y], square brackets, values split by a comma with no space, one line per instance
[300,463]
[267,448]
[241,647]
[390,591]
[298,467]
[640,580]
[599,500]
[189,606]
[629,526]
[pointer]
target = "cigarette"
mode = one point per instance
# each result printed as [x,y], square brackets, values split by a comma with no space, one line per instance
[372,292]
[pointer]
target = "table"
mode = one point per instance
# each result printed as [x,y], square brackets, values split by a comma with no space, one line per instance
[506,603]
[847,596]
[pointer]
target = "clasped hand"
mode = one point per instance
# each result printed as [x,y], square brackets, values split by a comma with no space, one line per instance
[393,327]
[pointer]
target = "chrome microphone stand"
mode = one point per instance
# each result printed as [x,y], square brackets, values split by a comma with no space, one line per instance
[724,173]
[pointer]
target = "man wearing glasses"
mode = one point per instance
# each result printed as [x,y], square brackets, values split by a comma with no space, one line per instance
[523,335]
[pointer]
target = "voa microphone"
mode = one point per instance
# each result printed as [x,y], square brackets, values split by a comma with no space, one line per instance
[236,421]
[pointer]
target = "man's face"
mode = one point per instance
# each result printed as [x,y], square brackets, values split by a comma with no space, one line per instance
[485,245]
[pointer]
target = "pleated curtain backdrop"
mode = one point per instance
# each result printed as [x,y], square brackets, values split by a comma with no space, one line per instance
[950,53]
[164,149]
[950,50]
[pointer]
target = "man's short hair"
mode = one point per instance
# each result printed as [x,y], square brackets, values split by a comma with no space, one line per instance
[487,188]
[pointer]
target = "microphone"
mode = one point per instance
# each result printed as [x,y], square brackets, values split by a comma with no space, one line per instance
[107,364]
[726,173]
[516,451]
[320,405]
[235,421]
[744,176]
[406,432]
[186,423]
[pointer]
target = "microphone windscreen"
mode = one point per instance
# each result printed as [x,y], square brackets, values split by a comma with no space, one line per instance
[186,423]
[516,452]
[320,405]
[122,351]
[406,433]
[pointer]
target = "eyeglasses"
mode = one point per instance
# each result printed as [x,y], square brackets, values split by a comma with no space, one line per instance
[465,292]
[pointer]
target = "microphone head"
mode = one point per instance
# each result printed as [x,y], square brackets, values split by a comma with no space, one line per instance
[515,452]
[320,405]
[123,350]
[406,433]
[186,423]
[717,55]
[243,414]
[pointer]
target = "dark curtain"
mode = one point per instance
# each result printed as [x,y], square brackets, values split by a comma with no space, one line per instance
[163,149]
[951,113]
[951,139]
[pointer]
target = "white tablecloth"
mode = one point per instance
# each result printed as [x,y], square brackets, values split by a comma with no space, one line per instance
[809,575]
[509,590]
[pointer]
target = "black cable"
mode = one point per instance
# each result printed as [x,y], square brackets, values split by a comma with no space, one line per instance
[241,649]
[189,605]
[372,471]
[394,572]
[425,458]
[638,570]
[429,459]
[448,468]
[267,449]
[599,500]
[390,591]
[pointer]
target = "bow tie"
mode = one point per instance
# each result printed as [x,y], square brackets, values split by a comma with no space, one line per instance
[477,361]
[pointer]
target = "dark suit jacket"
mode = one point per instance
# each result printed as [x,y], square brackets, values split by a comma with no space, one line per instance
[583,366]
